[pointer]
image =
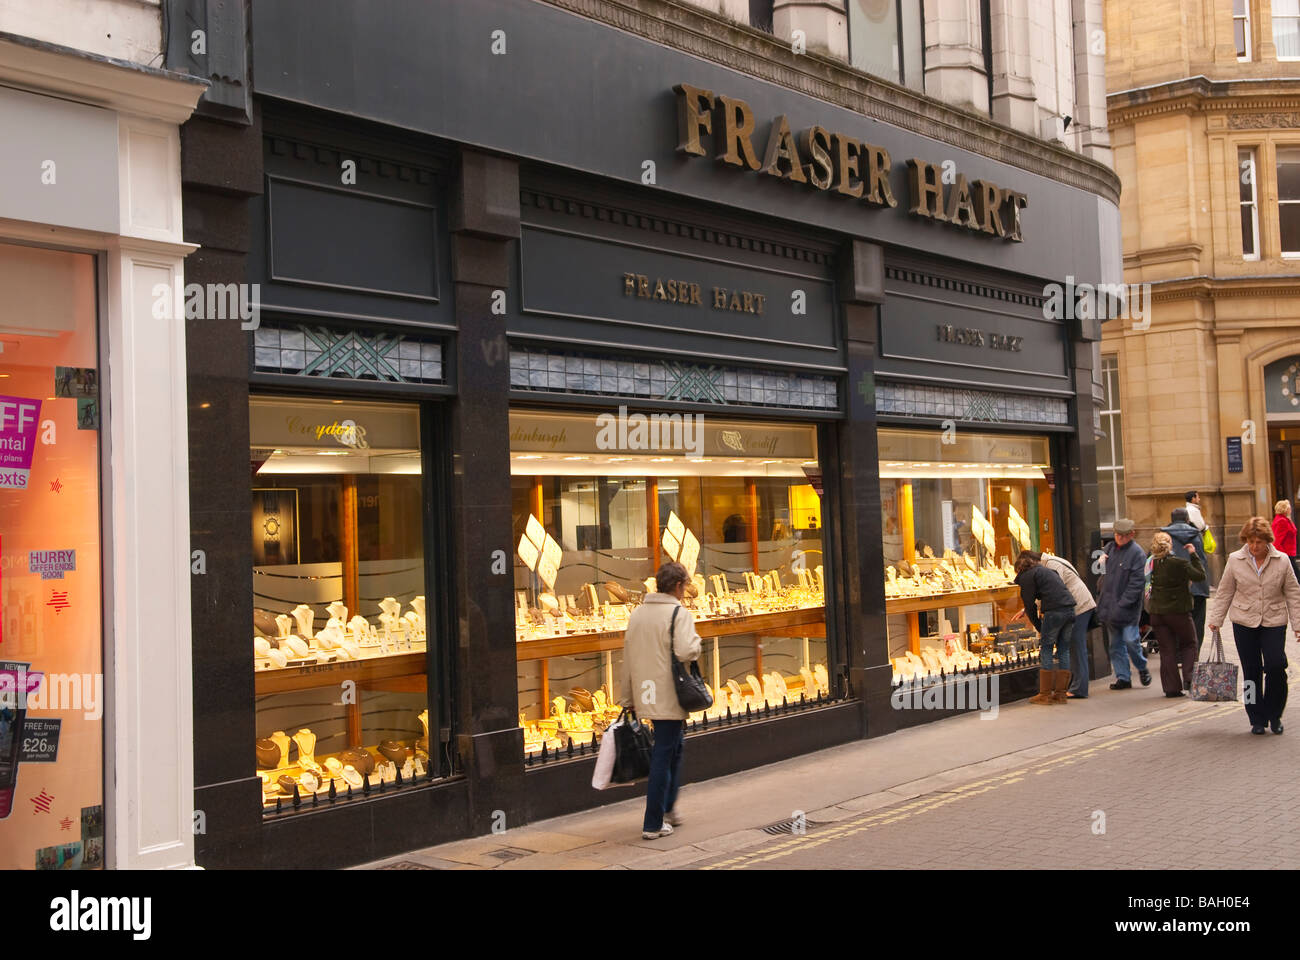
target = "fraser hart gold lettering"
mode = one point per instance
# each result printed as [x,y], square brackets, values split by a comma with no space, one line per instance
[831,160]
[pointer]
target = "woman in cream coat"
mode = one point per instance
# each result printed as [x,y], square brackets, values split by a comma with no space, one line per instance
[649,690]
[1259,594]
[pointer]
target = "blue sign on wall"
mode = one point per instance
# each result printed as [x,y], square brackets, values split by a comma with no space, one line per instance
[1234,455]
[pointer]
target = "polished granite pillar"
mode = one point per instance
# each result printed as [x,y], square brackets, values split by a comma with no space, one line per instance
[485,226]
[862,577]
[221,169]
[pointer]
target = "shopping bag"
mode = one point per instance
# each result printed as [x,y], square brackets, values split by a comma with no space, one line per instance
[1214,678]
[605,759]
[632,746]
[1207,541]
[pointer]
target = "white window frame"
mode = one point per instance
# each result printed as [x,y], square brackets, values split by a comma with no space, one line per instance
[1276,18]
[1110,406]
[1242,58]
[1252,159]
[1286,254]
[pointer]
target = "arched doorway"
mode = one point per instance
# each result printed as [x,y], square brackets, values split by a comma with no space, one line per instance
[1282,404]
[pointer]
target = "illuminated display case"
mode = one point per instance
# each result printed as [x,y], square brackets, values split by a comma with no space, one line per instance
[340,628]
[956,510]
[599,501]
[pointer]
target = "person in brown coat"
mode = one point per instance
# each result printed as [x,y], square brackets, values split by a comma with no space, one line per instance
[1259,594]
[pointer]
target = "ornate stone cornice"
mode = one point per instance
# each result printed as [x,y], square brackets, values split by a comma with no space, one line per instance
[1248,104]
[1225,288]
[762,56]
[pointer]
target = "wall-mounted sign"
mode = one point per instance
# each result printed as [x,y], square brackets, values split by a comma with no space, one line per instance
[827,160]
[973,337]
[1235,464]
[660,294]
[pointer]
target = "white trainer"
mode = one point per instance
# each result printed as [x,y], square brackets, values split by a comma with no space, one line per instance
[673,817]
[663,831]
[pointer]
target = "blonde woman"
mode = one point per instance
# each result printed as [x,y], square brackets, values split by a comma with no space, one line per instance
[1259,593]
[1170,606]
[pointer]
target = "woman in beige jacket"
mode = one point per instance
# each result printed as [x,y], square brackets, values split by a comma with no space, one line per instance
[1259,594]
[659,623]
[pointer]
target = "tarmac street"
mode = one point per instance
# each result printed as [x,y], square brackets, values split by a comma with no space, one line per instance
[1124,779]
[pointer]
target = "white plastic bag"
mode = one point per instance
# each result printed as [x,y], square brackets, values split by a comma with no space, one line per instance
[605,759]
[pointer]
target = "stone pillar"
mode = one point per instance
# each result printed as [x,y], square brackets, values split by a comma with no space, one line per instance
[862,574]
[484,222]
[954,54]
[824,23]
[1014,98]
[1093,137]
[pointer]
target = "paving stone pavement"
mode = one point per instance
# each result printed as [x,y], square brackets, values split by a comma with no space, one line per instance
[1124,779]
[1194,789]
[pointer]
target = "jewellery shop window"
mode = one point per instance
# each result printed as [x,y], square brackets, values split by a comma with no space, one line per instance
[601,500]
[954,516]
[338,593]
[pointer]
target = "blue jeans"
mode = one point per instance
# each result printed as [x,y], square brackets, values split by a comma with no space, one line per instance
[1124,644]
[1055,651]
[1079,655]
[665,772]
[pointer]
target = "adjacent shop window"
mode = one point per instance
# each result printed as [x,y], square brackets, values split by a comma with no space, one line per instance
[1288,199]
[340,620]
[1249,204]
[1110,449]
[886,39]
[51,616]
[955,512]
[1286,29]
[1241,28]
[601,499]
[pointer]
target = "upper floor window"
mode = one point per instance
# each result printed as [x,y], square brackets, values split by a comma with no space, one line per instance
[886,39]
[1286,29]
[1249,204]
[1110,448]
[1288,199]
[760,14]
[1241,28]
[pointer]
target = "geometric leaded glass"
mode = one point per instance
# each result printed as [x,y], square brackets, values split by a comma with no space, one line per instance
[312,350]
[536,369]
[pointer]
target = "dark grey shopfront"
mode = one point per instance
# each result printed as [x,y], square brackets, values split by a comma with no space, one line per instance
[457,235]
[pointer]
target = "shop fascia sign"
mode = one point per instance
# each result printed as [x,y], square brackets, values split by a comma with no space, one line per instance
[835,162]
[288,424]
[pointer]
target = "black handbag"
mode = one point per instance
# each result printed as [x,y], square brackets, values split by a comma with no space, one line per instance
[692,692]
[632,748]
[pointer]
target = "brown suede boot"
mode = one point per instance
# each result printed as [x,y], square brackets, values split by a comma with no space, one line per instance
[1060,686]
[1045,680]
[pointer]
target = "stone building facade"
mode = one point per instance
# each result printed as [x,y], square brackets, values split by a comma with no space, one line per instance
[1205,124]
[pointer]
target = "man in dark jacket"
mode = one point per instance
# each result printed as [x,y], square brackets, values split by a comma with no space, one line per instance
[1042,587]
[1182,532]
[1119,605]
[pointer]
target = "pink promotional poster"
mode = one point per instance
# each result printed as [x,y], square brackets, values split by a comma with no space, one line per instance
[19,418]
